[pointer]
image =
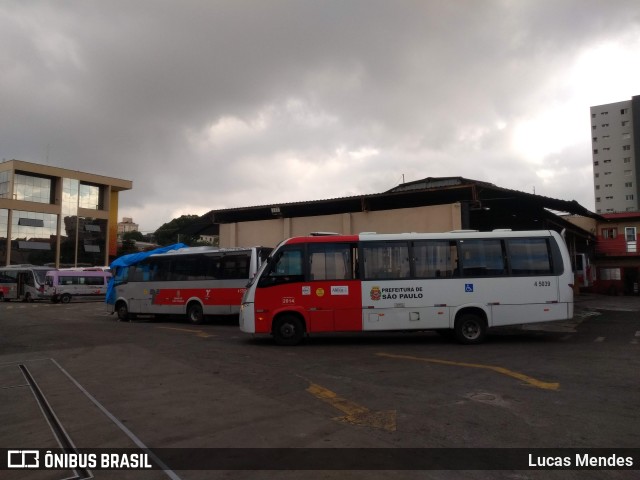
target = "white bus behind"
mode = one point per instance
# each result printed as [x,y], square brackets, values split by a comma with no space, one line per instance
[62,285]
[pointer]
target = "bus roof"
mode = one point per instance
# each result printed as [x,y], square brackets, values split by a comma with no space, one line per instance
[203,249]
[457,234]
[78,273]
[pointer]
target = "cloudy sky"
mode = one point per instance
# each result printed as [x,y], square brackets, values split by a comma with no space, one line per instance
[219,104]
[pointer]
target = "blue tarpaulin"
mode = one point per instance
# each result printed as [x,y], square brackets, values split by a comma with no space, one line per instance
[133,259]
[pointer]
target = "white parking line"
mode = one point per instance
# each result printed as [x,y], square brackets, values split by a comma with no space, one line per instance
[170,473]
[599,339]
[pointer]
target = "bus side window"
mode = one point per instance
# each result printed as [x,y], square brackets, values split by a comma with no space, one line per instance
[483,257]
[285,267]
[121,275]
[530,256]
[330,261]
[434,258]
[386,260]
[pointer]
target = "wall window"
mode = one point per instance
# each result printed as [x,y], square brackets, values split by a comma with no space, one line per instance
[624,111]
[33,237]
[626,136]
[628,184]
[628,197]
[628,173]
[596,163]
[630,234]
[4,184]
[70,196]
[609,274]
[607,161]
[626,147]
[625,123]
[89,197]
[31,189]
[609,232]
[627,160]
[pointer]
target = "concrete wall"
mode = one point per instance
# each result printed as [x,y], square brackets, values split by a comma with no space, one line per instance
[585,223]
[437,218]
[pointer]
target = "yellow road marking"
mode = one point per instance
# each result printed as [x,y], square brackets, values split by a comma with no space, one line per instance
[354,414]
[199,333]
[504,371]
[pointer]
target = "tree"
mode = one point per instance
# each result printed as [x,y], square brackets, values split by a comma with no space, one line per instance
[127,247]
[133,235]
[169,233]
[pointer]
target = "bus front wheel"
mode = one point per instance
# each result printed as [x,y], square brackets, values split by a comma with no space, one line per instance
[288,330]
[195,315]
[470,329]
[122,311]
[66,298]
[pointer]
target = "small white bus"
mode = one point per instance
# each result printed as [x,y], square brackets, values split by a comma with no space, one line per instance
[62,285]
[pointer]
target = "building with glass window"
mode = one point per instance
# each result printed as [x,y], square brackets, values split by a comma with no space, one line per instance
[615,140]
[58,217]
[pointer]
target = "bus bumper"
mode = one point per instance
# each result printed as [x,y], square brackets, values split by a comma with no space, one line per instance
[247,318]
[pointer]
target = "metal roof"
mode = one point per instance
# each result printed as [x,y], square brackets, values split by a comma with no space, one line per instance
[424,192]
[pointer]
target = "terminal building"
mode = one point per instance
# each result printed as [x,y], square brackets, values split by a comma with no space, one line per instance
[57,217]
[428,205]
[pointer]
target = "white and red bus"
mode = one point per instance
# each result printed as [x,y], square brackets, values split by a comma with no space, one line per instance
[22,282]
[193,281]
[463,282]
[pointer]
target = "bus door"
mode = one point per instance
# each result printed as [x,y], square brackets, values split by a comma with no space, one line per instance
[324,290]
[332,297]
[22,282]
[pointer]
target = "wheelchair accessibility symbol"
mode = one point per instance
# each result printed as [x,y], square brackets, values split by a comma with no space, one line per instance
[468,287]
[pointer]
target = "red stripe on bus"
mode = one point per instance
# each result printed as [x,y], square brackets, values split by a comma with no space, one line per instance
[208,296]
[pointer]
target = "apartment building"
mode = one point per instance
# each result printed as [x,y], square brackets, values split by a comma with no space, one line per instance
[615,138]
[127,225]
[58,217]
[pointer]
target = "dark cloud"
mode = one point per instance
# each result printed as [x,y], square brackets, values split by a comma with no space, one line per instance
[209,104]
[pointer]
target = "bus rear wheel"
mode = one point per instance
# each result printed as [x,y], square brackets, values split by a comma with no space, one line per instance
[470,329]
[288,330]
[195,315]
